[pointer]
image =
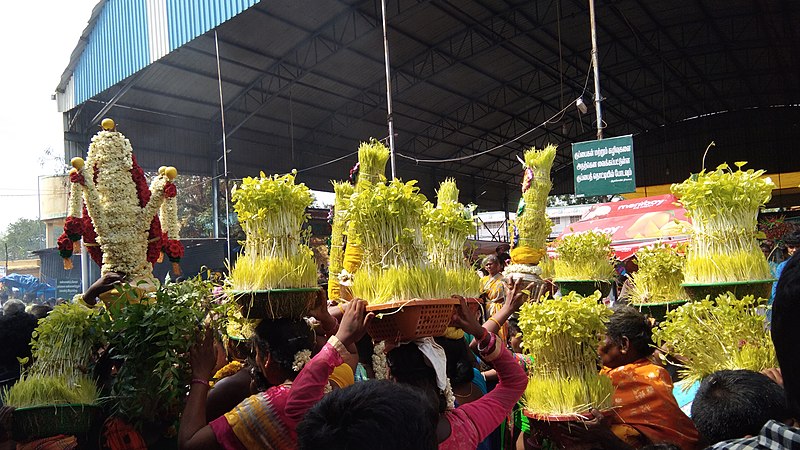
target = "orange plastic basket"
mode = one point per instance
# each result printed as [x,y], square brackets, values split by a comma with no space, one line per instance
[409,320]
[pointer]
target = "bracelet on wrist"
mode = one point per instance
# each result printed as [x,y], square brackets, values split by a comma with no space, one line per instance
[199,381]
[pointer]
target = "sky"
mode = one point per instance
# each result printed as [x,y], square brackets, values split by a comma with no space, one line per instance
[39,39]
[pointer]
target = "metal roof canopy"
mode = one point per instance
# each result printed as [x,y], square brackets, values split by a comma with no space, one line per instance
[303,84]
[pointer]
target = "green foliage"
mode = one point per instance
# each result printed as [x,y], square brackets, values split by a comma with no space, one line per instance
[723,205]
[22,237]
[533,224]
[372,158]
[446,228]
[152,340]
[584,256]
[272,211]
[387,219]
[64,340]
[659,276]
[39,390]
[296,271]
[343,191]
[562,335]
[708,336]
[400,283]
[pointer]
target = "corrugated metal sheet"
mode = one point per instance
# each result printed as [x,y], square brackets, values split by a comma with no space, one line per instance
[130,34]
[188,19]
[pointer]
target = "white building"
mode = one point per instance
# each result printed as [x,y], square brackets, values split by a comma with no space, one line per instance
[492,225]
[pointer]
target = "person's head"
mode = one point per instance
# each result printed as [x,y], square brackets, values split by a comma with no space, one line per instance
[408,366]
[40,311]
[277,342]
[13,306]
[514,335]
[15,335]
[369,415]
[629,337]
[731,404]
[460,361]
[785,317]
[792,241]
[492,265]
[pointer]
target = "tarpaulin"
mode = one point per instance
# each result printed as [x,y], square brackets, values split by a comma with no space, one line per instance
[636,223]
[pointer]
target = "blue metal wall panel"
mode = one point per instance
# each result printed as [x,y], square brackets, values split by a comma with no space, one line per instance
[188,19]
[116,49]
[119,46]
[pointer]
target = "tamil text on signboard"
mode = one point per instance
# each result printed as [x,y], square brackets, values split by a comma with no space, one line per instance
[604,167]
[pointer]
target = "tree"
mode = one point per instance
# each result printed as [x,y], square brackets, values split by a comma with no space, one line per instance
[23,237]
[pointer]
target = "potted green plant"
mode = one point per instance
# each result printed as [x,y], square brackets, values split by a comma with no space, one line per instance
[276,276]
[532,223]
[724,254]
[562,335]
[656,284]
[706,336]
[584,263]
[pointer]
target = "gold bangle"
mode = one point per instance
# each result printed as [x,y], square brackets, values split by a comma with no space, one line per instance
[497,322]
[340,308]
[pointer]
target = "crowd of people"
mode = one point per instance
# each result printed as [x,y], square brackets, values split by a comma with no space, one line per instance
[321,383]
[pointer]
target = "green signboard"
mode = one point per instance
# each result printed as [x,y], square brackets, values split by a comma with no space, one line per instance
[604,167]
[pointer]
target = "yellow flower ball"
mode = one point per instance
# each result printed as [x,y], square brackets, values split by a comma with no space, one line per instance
[108,124]
[161,170]
[77,162]
[171,173]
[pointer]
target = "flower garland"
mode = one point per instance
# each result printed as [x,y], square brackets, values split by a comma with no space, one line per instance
[117,202]
[168,215]
[301,358]
[449,396]
[379,363]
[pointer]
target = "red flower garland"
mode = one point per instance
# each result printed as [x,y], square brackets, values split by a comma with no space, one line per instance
[170,190]
[76,177]
[154,241]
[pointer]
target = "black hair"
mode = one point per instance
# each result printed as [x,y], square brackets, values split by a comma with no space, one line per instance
[792,238]
[15,335]
[628,322]
[460,361]
[785,317]
[408,366]
[370,415]
[661,446]
[733,403]
[40,311]
[365,350]
[282,339]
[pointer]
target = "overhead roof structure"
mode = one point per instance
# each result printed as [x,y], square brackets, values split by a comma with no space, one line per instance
[303,82]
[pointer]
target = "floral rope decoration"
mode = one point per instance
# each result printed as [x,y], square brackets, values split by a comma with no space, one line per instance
[168,215]
[379,363]
[118,225]
[301,358]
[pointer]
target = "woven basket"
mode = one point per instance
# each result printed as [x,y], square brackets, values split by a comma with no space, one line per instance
[757,288]
[276,303]
[37,422]
[409,320]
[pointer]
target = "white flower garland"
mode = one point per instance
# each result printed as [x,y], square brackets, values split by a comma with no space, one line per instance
[449,396]
[113,204]
[168,215]
[345,278]
[301,358]
[379,363]
[75,200]
[522,268]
